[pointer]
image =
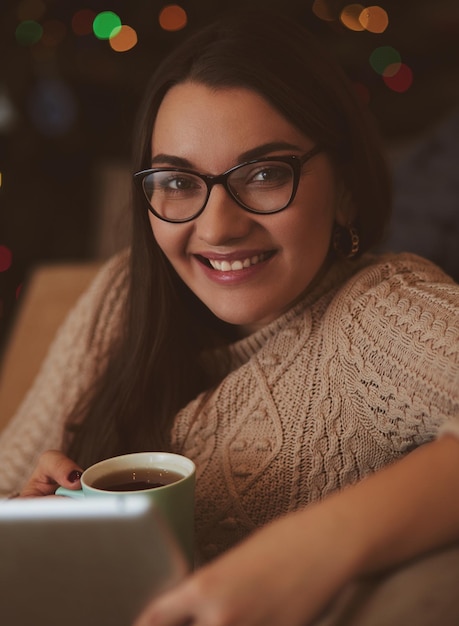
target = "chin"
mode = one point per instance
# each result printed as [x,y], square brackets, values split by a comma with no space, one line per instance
[248,323]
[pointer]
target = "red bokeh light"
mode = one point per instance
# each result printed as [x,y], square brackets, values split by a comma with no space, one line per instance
[6,258]
[401,81]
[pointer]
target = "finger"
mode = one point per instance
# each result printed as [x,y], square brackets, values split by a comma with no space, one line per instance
[166,611]
[53,469]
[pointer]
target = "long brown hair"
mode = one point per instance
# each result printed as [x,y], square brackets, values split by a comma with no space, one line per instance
[155,367]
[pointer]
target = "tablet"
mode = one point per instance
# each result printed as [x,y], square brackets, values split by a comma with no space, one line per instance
[85,562]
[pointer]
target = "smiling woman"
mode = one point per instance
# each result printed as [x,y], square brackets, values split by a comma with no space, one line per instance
[250,327]
[247,266]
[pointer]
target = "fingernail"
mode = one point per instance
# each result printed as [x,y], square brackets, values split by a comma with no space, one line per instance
[74,476]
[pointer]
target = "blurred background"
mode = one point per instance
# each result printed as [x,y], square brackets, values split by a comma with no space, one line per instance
[72,73]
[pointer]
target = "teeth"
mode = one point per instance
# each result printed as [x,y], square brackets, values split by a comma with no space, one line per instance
[234,266]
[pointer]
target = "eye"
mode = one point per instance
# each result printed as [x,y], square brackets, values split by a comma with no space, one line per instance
[269,175]
[180,183]
[172,183]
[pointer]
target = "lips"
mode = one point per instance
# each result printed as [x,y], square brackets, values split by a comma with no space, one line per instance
[235,265]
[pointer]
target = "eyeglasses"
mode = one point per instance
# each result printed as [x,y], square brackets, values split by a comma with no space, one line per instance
[260,186]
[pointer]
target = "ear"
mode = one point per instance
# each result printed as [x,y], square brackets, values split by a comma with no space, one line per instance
[345,212]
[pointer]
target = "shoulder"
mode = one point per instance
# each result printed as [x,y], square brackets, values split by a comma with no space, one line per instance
[399,316]
[391,284]
[95,317]
[404,270]
[112,277]
[109,286]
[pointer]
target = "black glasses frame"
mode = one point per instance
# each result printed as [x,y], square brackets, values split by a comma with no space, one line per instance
[295,162]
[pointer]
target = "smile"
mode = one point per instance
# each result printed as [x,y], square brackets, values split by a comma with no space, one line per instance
[239,264]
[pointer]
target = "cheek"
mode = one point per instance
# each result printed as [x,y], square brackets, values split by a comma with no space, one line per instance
[307,228]
[315,216]
[171,238]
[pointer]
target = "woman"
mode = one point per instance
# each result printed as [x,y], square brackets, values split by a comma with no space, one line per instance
[249,329]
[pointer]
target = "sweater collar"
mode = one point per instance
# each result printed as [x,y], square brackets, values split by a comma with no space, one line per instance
[334,276]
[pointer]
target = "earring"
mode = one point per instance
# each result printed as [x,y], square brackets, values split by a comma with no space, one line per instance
[346,241]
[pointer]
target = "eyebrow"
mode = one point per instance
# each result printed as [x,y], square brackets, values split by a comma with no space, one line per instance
[171,160]
[267,148]
[248,155]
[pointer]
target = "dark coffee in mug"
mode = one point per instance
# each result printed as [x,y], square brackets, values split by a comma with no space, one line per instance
[137,479]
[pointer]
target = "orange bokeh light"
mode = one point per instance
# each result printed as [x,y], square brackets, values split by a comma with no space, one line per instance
[173,17]
[322,10]
[350,15]
[374,19]
[125,39]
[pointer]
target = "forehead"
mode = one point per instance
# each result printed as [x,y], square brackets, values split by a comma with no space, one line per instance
[195,120]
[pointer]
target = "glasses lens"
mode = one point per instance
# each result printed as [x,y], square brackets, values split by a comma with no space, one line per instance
[265,186]
[175,195]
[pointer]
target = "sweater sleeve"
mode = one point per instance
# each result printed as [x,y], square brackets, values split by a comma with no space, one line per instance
[74,359]
[400,333]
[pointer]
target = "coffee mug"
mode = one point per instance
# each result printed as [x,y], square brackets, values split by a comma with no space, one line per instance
[167,478]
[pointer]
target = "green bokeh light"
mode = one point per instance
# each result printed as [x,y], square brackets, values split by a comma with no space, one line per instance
[381,57]
[29,32]
[105,23]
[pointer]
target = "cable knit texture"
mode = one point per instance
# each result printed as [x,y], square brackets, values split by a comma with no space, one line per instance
[361,371]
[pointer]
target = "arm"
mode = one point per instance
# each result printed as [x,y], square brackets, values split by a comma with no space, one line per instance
[74,358]
[405,509]
[288,571]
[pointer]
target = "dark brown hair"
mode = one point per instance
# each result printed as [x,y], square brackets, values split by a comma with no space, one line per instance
[155,368]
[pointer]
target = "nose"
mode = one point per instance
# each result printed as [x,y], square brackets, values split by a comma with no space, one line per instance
[222,220]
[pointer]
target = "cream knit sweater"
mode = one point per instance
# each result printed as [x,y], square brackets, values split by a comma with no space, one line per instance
[364,369]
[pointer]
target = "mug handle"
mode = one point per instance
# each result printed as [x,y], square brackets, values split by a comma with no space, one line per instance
[71,493]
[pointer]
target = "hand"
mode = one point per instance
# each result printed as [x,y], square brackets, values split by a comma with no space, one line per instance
[285,574]
[289,571]
[53,469]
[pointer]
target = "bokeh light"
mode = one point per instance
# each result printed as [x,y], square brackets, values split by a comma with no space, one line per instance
[354,16]
[105,23]
[363,93]
[322,10]
[8,115]
[350,15]
[30,10]
[383,57]
[173,17]
[82,21]
[401,81]
[29,32]
[374,19]
[6,258]
[54,32]
[392,69]
[387,62]
[123,40]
